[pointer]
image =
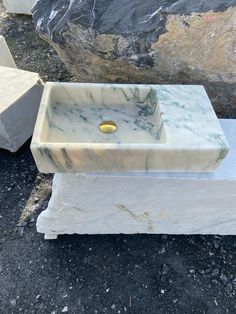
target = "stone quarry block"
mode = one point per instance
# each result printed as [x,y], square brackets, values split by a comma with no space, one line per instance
[172,203]
[6,58]
[20,95]
[153,41]
[19,6]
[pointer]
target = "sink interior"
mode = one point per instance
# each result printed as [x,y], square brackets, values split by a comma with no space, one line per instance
[103,114]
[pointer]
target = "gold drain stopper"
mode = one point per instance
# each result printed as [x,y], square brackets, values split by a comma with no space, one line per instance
[107,127]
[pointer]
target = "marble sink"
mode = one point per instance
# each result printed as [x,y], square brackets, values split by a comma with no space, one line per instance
[83,127]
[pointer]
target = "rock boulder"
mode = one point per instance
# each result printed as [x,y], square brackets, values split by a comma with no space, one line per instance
[152,41]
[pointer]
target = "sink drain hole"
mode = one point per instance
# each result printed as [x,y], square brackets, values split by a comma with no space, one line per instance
[107,126]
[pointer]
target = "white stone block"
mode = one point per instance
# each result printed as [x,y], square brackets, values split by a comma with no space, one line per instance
[20,95]
[172,203]
[19,6]
[6,58]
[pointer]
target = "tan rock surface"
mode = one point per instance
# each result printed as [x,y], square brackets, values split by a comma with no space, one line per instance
[194,48]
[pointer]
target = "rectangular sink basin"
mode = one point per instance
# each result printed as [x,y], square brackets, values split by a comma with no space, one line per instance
[83,127]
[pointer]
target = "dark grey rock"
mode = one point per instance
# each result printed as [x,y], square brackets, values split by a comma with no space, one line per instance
[215,272]
[13,302]
[152,41]
[165,269]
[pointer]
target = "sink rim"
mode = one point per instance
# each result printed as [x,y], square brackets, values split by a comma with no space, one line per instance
[36,138]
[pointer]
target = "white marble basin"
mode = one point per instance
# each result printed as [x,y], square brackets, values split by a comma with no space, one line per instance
[151,128]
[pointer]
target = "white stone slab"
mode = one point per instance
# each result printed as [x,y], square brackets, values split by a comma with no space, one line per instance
[6,58]
[20,95]
[19,6]
[180,203]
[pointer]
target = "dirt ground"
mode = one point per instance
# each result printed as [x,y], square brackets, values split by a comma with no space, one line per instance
[136,274]
[30,52]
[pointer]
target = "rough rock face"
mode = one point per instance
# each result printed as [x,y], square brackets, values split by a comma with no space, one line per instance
[152,41]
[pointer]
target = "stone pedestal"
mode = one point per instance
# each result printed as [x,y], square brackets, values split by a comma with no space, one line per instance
[20,95]
[6,58]
[172,203]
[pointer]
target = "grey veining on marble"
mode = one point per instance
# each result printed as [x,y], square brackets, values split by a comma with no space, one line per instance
[159,128]
[136,122]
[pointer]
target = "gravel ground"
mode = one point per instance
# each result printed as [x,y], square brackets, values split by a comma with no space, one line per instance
[30,52]
[95,274]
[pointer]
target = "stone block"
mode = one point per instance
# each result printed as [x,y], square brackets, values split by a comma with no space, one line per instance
[6,58]
[20,95]
[19,6]
[172,203]
[152,41]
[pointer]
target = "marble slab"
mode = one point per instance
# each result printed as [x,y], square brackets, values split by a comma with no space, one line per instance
[172,203]
[20,95]
[6,58]
[159,128]
[19,6]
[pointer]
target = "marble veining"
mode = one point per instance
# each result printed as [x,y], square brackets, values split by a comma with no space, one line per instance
[159,128]
[137,120]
